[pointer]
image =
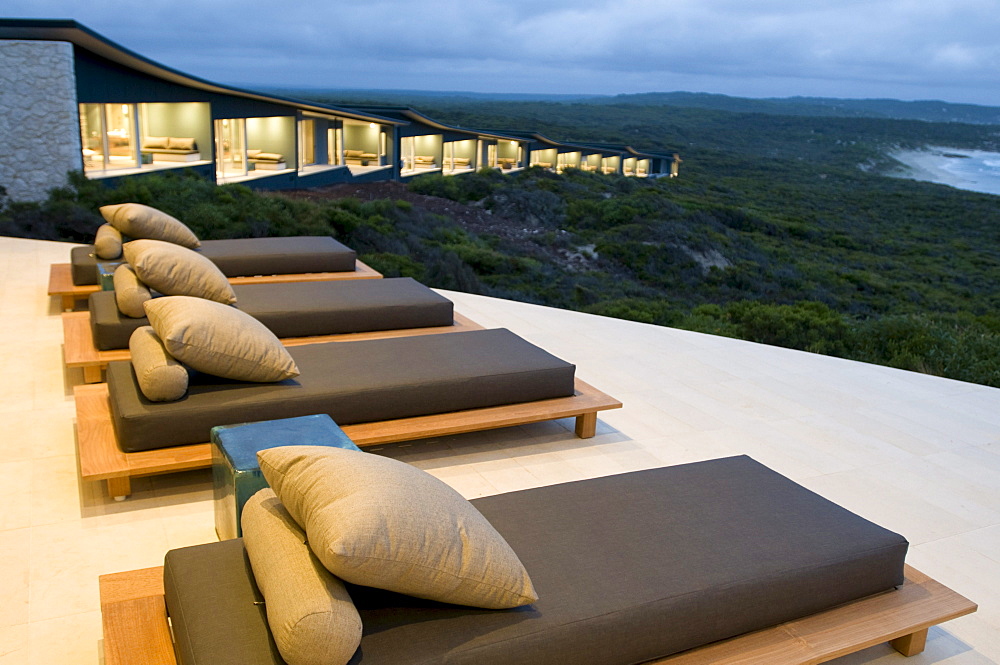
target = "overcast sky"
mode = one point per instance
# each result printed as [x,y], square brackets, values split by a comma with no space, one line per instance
[904,49]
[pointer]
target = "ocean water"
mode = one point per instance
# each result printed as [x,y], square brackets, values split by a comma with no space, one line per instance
[974,170]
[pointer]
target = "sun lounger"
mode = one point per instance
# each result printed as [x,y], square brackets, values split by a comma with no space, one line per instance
[298,313]
[719,562]
[378,390]
[242,260]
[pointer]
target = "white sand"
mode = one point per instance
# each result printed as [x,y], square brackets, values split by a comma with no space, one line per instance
[939,165]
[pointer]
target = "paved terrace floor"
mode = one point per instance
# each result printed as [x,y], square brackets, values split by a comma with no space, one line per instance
[917,454]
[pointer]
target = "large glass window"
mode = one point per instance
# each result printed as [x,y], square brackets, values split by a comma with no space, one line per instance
[122,127]
[92,136]
[107,133]
[420,153]
[230,148]
[544,158]
[364,143]
[510,155]
[408,152]
[459,156]
[142,136]
[307,142]
[568,160]
[335,146]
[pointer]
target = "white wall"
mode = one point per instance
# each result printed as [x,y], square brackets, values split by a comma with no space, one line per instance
[39,122]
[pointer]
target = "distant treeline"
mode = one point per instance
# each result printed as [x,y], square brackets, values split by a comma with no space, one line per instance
[894,109]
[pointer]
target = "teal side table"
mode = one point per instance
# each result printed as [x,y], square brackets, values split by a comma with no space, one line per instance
[106,273]
[235,474]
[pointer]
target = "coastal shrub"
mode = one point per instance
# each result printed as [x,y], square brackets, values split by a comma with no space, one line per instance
[808,326]
[959,347]
[644,310]
[395,265]
[464,188]
[529,207]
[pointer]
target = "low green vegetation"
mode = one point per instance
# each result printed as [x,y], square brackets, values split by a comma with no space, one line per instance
[391,236]
[905,275]
[780,230]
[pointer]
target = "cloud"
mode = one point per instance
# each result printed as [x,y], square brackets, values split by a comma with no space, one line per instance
[901,48]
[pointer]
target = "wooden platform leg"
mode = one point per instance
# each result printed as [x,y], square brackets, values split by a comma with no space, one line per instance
[68,303]
[119,488]
[92,374]
[912,644]
[586,425]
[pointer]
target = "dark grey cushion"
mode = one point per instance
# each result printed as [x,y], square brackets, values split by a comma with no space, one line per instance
[83,265]
[202,632]
[304,309]
[628,568]
[238,257]
[348,306]
[352,382]
[242,257]
[110,328]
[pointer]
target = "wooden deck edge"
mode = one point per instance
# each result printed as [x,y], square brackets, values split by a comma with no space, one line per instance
[61,286]
[911,609]
[61,279]
[134,619]
[79,350]
[101,458]
[586,400]
[99,455]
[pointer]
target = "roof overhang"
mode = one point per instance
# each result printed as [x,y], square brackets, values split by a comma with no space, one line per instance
[413,115]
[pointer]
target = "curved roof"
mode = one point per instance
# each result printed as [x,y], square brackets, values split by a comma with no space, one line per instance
[415,115]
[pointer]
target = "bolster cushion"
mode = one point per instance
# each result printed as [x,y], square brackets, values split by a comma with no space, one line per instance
[177,271]
[161,378]
[130,292]
[155,142]
[181,143]
[108,243]
[312,617]
[379,522]
[141,221]
[219,340]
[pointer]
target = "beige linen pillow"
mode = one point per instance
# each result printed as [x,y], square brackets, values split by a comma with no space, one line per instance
[380,522]
[177,271]
[217,339]
[130,293]
[181,143]
[160,377]
[108,242]
[312,617]
[141,221]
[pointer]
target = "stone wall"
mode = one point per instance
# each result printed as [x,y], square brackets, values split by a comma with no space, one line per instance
[39,121]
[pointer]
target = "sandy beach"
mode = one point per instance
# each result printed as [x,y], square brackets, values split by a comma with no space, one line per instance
[972,170]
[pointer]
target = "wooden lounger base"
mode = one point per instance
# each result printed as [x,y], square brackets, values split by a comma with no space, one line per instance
[79,350]
[102,459]
[61,281]
[134,618]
